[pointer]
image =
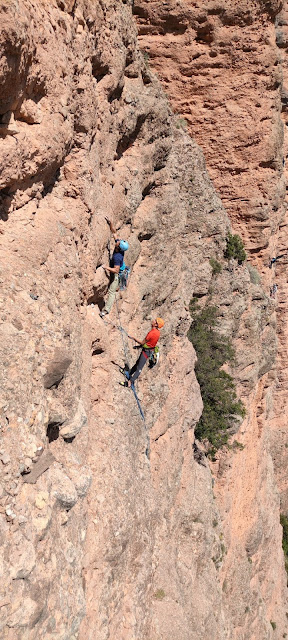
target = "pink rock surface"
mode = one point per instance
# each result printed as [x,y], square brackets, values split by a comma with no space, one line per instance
[107,544]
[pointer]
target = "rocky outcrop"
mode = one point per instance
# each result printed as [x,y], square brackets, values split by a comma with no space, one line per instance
[221,68]
[224,69]
[104,542]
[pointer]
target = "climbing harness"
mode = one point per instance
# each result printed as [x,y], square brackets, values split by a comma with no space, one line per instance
[123,278]
[154,358]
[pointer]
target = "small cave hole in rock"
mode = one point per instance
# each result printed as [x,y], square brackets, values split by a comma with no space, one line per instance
[147,79]
[99,70]
[52,431]
[48,188]
[144,236]
[174,25]
[116,94]
[205,34]
[97,351]
[97,298]
[148,189]
[68,441]
[139,11]
[5,201]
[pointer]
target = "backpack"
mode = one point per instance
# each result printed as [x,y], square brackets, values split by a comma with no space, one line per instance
[154,358]
[123,278]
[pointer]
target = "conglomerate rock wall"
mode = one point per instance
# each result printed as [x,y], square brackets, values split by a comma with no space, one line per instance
[99,540]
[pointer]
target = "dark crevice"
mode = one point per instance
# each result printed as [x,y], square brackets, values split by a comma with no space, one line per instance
[139,11]
[99,70]
[128,139]
[116,94]
[199,456]
[205,35]
[216,11]
[69,440]
[97,298]
[51,184]
[144,236]
[268,164]
[97,352]
[146,76]
[5,201]
[148,189]
[3,119]
[172,25]
[129,58]
[90,218]
[161,161]
[53,431]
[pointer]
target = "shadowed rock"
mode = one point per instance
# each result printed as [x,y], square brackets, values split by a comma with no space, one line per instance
[56,368]
[42,465]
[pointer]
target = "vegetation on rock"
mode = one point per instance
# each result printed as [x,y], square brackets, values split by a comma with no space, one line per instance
[284,523]
[216,266]
[235,248]
[217,386]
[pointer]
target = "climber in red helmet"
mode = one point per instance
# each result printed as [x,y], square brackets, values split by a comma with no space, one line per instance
[148,346]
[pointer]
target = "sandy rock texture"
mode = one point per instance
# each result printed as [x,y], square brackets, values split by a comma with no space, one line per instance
[98,540]
[221,67]
[225,71]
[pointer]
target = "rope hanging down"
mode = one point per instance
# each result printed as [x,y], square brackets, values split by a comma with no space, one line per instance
[127,357]
[123,332]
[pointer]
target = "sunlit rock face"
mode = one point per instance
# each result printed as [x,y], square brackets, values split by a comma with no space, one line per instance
[98,540]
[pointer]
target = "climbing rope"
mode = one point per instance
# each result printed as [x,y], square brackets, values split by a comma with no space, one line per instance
[147,451]
[127,363]
[123,333]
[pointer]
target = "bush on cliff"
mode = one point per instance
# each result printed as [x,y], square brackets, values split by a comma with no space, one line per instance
[284,523]
[234,248]
[220,404]
[216,266]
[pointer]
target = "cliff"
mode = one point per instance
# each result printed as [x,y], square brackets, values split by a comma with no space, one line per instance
[98,539]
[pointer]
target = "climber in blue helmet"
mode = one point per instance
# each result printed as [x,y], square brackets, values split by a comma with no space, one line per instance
[117,265]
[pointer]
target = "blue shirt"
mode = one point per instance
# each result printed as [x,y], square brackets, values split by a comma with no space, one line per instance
[118,259]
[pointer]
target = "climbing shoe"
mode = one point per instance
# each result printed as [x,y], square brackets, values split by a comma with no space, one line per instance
[103,313]
[124,383]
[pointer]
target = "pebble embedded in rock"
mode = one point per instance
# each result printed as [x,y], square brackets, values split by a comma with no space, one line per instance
[10,515]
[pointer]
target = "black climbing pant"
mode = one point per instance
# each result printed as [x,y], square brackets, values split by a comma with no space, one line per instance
[138,366]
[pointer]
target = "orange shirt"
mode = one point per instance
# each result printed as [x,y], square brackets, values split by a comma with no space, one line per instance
[152,338]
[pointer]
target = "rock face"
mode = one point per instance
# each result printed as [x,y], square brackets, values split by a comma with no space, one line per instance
[222,70]
[102,541]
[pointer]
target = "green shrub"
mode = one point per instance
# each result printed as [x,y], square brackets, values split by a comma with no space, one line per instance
[273,625]
[234,248]
[220,402]
[159,594]
[216,266]
[284,523]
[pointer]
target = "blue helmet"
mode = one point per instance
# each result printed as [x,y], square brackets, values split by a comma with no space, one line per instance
[123,245]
